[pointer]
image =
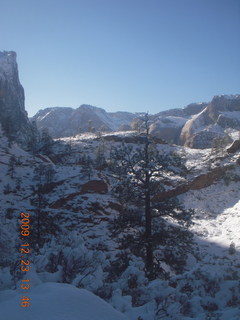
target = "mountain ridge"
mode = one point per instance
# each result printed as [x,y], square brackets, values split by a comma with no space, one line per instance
[174,125]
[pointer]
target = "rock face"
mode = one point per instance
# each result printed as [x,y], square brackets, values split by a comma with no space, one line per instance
[168,128]
[222,113]
[64,122]
[13,117]
[167,125]
[202,181]
[196,126]
[94,186]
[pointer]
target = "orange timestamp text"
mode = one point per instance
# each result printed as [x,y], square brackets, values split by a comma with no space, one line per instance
[24,251]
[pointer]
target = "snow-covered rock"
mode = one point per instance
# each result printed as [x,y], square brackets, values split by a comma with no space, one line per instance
[221,114]
[64,122]
[168,128]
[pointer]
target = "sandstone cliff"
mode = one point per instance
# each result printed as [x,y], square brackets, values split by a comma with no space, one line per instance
[222,113]
[13,117]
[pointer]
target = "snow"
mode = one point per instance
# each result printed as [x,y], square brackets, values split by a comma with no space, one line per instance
[218,213]
[216,226]
[65,121]
[171,121]
[229,96]
[55,301]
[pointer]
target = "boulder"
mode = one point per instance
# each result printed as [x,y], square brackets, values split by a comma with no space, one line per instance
[95,186]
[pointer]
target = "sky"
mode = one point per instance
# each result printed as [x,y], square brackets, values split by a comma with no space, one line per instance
[128,55]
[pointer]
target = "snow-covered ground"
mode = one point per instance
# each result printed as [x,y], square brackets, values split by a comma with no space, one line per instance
[210,287]
[56,301]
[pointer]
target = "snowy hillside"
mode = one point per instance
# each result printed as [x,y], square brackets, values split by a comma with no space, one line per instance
[55,301]
[62,122]
[78,247]
[99,224]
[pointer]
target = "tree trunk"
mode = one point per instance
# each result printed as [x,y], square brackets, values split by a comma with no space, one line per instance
[148,235]
[148,218]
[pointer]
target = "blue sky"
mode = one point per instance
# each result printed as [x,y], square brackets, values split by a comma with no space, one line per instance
[132,55]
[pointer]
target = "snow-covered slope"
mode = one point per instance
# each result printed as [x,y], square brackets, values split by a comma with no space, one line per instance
[63,122]
[57,301]
[209,284]
[68,192]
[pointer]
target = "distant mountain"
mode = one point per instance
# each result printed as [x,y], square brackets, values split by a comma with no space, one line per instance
[64,122]
[220,116]
[168,124]
[195,125]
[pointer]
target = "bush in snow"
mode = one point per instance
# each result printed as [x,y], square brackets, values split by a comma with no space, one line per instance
[6,244]
[7,189]
[133,281]
[9,260]
[80,266]
[232,248]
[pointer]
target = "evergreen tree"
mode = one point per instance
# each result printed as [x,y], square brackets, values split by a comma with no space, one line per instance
[39,174]
[43,222]
[49,174]
[44,225]
[100,158]
[140,173]
[33,138]
[45,141]
[11,166]
[86,166]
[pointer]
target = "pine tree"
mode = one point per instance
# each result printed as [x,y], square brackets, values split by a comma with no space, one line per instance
[11,166]
[49,174]
[45,141]
[44,225]
[33,138]
[43,222]
[140,173]
[100,158]
[39,174]
[86,166]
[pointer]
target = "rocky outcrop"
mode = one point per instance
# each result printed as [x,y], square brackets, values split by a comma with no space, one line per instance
[13,117]
[168,128]
[94,186]
[189,110]
[131,139]
[200,182]
[195,126]
[200,131]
